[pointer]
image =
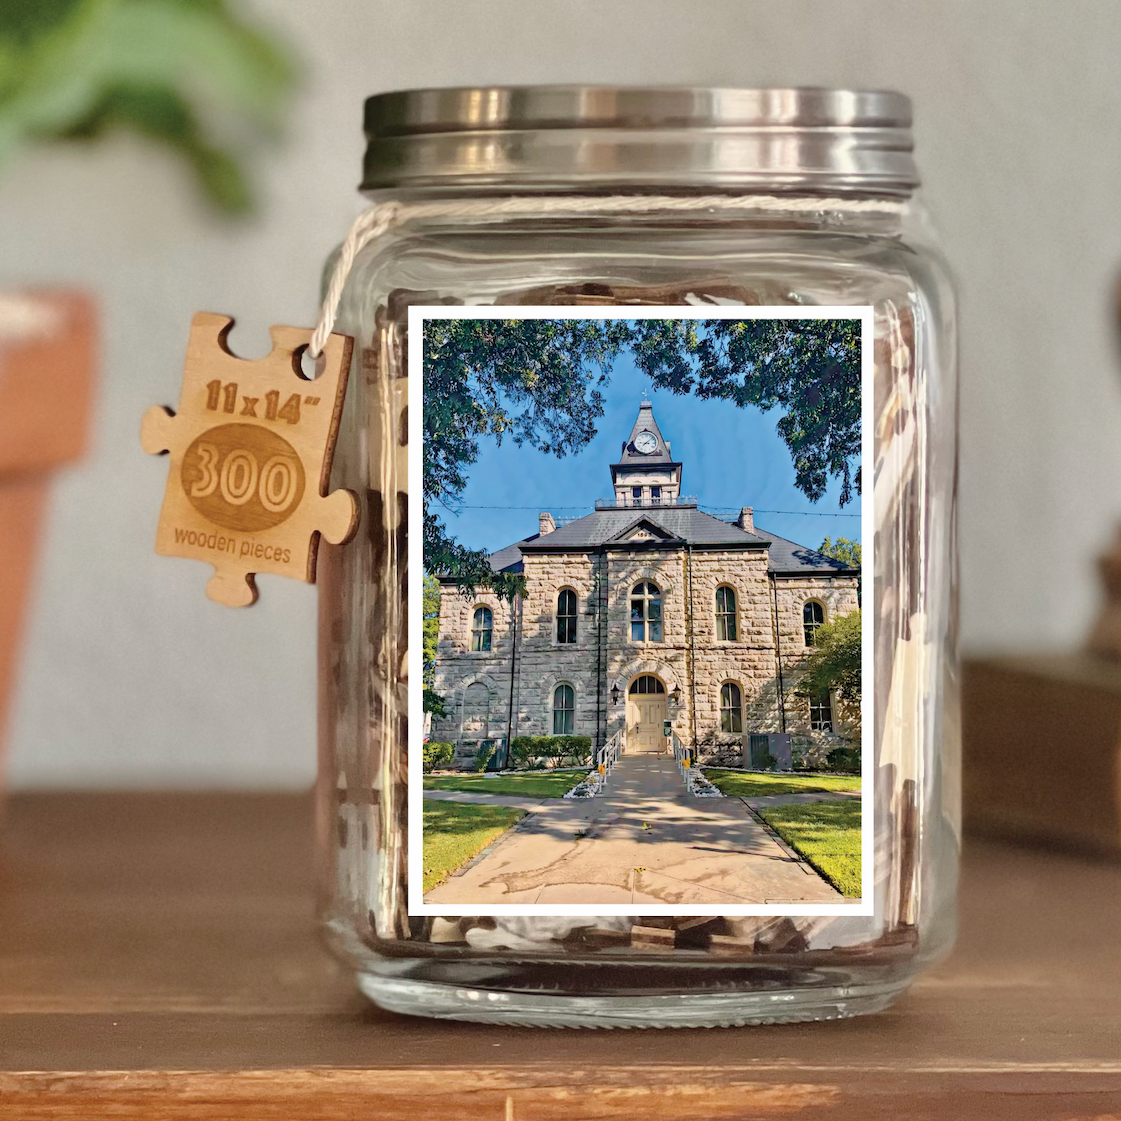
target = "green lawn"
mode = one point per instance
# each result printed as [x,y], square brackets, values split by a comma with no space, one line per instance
[533,784]
[827,834]
[758,784]
[455,831]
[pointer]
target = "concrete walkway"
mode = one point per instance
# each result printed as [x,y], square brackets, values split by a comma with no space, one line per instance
[643,840]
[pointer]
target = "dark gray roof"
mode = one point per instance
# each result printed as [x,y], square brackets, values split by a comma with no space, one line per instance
[785,557]
[685,522]
[791,559]
[508,559]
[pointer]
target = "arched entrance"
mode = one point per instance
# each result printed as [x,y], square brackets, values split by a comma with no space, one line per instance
[646,710]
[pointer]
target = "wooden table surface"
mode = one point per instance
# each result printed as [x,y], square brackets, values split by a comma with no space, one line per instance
[158,959]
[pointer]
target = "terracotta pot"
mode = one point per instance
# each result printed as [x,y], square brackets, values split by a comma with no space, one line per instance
[48,345]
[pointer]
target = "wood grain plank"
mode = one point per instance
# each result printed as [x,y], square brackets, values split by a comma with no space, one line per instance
[602,1092]
[159,958]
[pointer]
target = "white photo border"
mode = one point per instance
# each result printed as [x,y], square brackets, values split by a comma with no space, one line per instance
[418,314]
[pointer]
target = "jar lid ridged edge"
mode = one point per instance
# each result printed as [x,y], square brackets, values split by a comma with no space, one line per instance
[559,137]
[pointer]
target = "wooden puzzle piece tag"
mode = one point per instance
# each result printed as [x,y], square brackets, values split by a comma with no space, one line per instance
[251,448]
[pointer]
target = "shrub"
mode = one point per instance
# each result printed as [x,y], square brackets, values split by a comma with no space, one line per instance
[767,762]
[483,754]
[522,752]
[574,750]
[437,755]
[844,759]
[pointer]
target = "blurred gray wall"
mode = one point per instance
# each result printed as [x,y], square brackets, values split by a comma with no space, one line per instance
[132,677]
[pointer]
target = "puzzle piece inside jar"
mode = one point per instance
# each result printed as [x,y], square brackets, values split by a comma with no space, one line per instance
[250,450]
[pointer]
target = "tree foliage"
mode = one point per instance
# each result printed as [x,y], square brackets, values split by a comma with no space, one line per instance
[431,625]
[194,75]
[844,550]
[533,381]
[433,702]
[834,666]
[809,369]
[847,552]
[540,382]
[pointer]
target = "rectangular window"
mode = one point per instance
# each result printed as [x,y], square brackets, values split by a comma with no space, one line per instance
[636,493]
[656,495]
[821,713]
[563,721]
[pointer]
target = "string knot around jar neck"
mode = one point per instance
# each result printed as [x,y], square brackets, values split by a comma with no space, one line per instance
[378,219]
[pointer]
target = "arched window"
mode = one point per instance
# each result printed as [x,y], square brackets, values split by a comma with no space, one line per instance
[481,629]
[564,710]
[646,613]
[647,683]
[731,707]
[821,713]
[813,615]
[725,615]
[566,616]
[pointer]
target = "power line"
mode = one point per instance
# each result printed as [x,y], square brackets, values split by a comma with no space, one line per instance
[542,506]
[799,513]
[722,509]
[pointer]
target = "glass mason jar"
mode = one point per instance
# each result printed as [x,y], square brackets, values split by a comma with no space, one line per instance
[566,154]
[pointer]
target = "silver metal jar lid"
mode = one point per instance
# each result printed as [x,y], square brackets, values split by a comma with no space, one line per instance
[605,137]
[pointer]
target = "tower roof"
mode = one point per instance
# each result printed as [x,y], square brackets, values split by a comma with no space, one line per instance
[632,456]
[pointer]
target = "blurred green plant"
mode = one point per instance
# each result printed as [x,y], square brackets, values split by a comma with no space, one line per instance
[187,73]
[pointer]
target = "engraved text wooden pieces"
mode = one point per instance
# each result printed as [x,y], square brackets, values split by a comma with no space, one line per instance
[251,449]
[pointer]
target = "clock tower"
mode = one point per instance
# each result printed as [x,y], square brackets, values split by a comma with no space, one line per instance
[646,473]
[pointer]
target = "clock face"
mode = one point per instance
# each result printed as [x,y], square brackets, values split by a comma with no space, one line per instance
[645,442]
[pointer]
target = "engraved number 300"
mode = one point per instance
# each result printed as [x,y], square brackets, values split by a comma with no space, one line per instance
[239,477]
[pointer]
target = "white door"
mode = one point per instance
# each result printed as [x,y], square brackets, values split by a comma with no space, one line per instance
[645,713]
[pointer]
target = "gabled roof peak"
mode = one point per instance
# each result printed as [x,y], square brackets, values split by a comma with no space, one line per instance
[645,445]
[645,529]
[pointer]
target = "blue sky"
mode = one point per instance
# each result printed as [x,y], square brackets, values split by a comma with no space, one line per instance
[731,458]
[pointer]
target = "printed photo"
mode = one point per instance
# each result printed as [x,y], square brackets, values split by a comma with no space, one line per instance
[639,593]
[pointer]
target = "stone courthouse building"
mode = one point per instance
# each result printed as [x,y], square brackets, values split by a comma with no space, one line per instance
[646,610]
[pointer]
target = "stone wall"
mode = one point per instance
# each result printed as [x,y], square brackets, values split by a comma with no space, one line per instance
[543,662]
[749,661]
[458,668]
[540,663]
[837,595]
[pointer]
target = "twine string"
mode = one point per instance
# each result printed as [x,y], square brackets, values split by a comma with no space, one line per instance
[383,216]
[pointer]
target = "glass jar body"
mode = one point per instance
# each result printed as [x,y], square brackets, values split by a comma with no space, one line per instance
[540,971]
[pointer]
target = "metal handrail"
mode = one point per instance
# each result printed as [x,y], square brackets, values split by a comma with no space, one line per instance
[682,757]
[687,500]
[609,754]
